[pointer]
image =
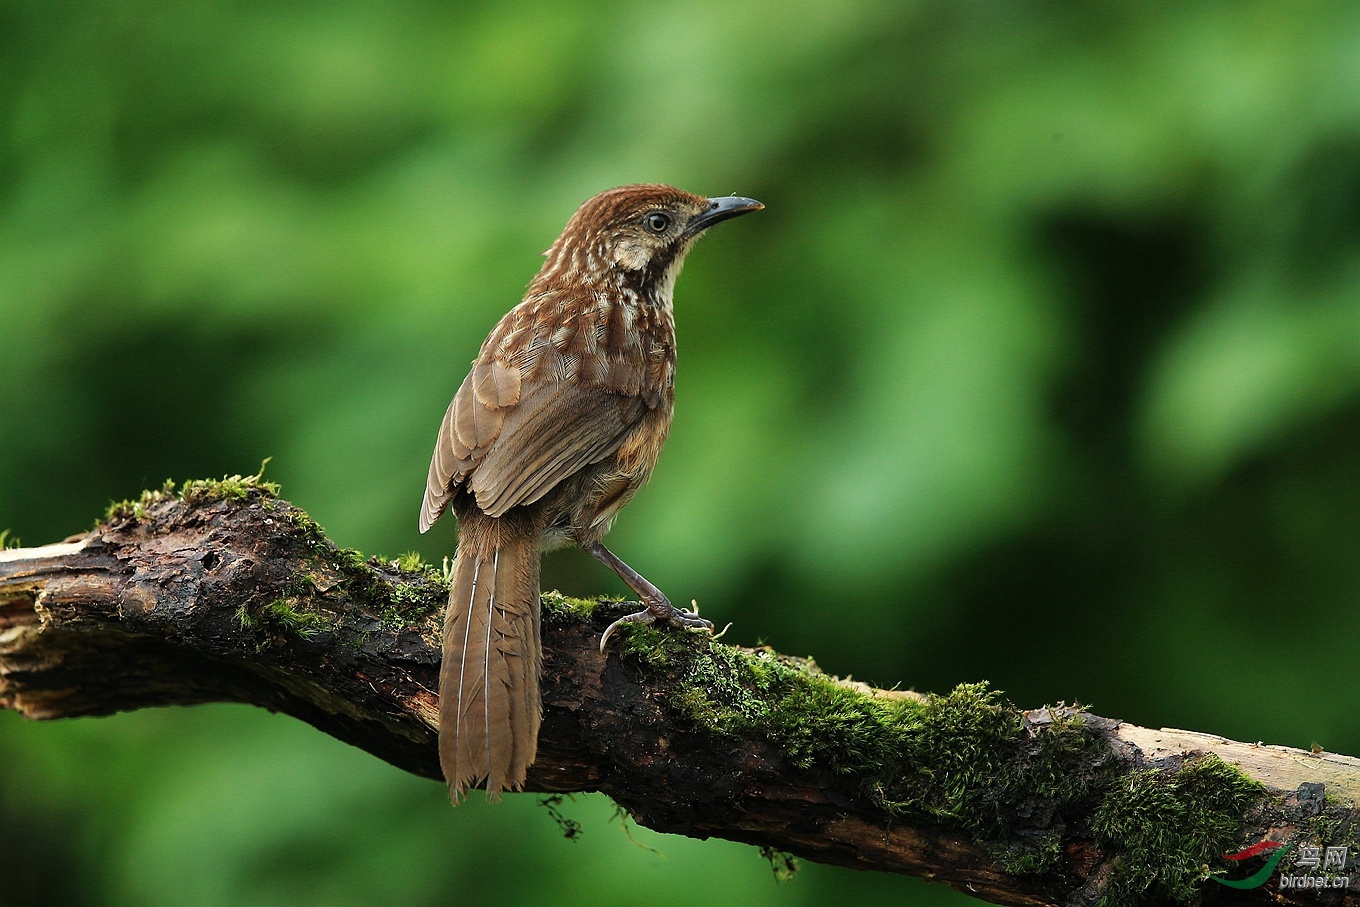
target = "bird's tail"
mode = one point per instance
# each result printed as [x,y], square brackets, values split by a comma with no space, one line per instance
[489,707]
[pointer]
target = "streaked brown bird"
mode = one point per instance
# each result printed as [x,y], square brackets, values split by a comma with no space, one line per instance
[557,426]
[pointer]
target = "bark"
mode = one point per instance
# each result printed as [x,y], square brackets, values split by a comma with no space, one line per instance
[227,593]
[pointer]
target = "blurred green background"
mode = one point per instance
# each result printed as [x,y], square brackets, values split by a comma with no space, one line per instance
[1042,367]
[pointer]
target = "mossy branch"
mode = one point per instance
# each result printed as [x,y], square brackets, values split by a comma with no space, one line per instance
[224,592]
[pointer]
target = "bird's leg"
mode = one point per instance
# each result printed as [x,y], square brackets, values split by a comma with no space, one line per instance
[659,608]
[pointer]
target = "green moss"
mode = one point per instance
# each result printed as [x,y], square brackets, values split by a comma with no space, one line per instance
[1169,825]
[230,488]
[360,578]
[665,650]
[136,508]
[409,603]
[407,600]
[971,761]
[195,491]
[967,759]
[302,523]
[1336,827]
[415,568]
[556,606]
[1032,854]
[284,616]
[352,561]
[411,562]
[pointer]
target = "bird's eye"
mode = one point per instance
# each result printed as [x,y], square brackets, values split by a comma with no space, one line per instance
[657,221]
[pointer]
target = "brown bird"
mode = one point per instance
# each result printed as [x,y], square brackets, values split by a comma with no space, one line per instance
[557,426]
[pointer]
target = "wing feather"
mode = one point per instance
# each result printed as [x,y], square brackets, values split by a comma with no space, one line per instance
[552,433]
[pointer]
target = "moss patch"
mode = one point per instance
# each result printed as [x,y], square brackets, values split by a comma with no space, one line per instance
[228,488]
[559,607]
[194,491]
[284,616]
[411,562]
[1335,827]
[412,599]
[968,759]
[1168,826]
[135,508]
[405,591]
[1019,783]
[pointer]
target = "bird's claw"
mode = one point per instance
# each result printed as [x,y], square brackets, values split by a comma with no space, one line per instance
[660,612]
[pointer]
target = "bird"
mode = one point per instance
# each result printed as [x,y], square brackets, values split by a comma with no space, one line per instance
[558,424]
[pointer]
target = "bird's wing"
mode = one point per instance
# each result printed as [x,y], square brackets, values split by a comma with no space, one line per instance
[555,430]
[513,432]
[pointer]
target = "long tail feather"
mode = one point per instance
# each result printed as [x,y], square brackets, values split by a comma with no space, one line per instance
[489,706]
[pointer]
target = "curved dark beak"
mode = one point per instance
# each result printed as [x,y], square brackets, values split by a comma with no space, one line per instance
[720,209]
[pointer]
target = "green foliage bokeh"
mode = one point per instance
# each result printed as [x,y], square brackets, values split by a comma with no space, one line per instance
[1042,366]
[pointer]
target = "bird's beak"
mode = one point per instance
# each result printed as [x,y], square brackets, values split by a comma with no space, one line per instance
[720,209]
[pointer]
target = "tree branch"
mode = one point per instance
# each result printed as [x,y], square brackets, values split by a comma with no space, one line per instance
[226,593]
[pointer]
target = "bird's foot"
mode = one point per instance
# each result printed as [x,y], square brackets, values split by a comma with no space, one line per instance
[658,612]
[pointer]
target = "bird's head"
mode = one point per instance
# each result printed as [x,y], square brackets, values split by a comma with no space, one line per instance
[637,236]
